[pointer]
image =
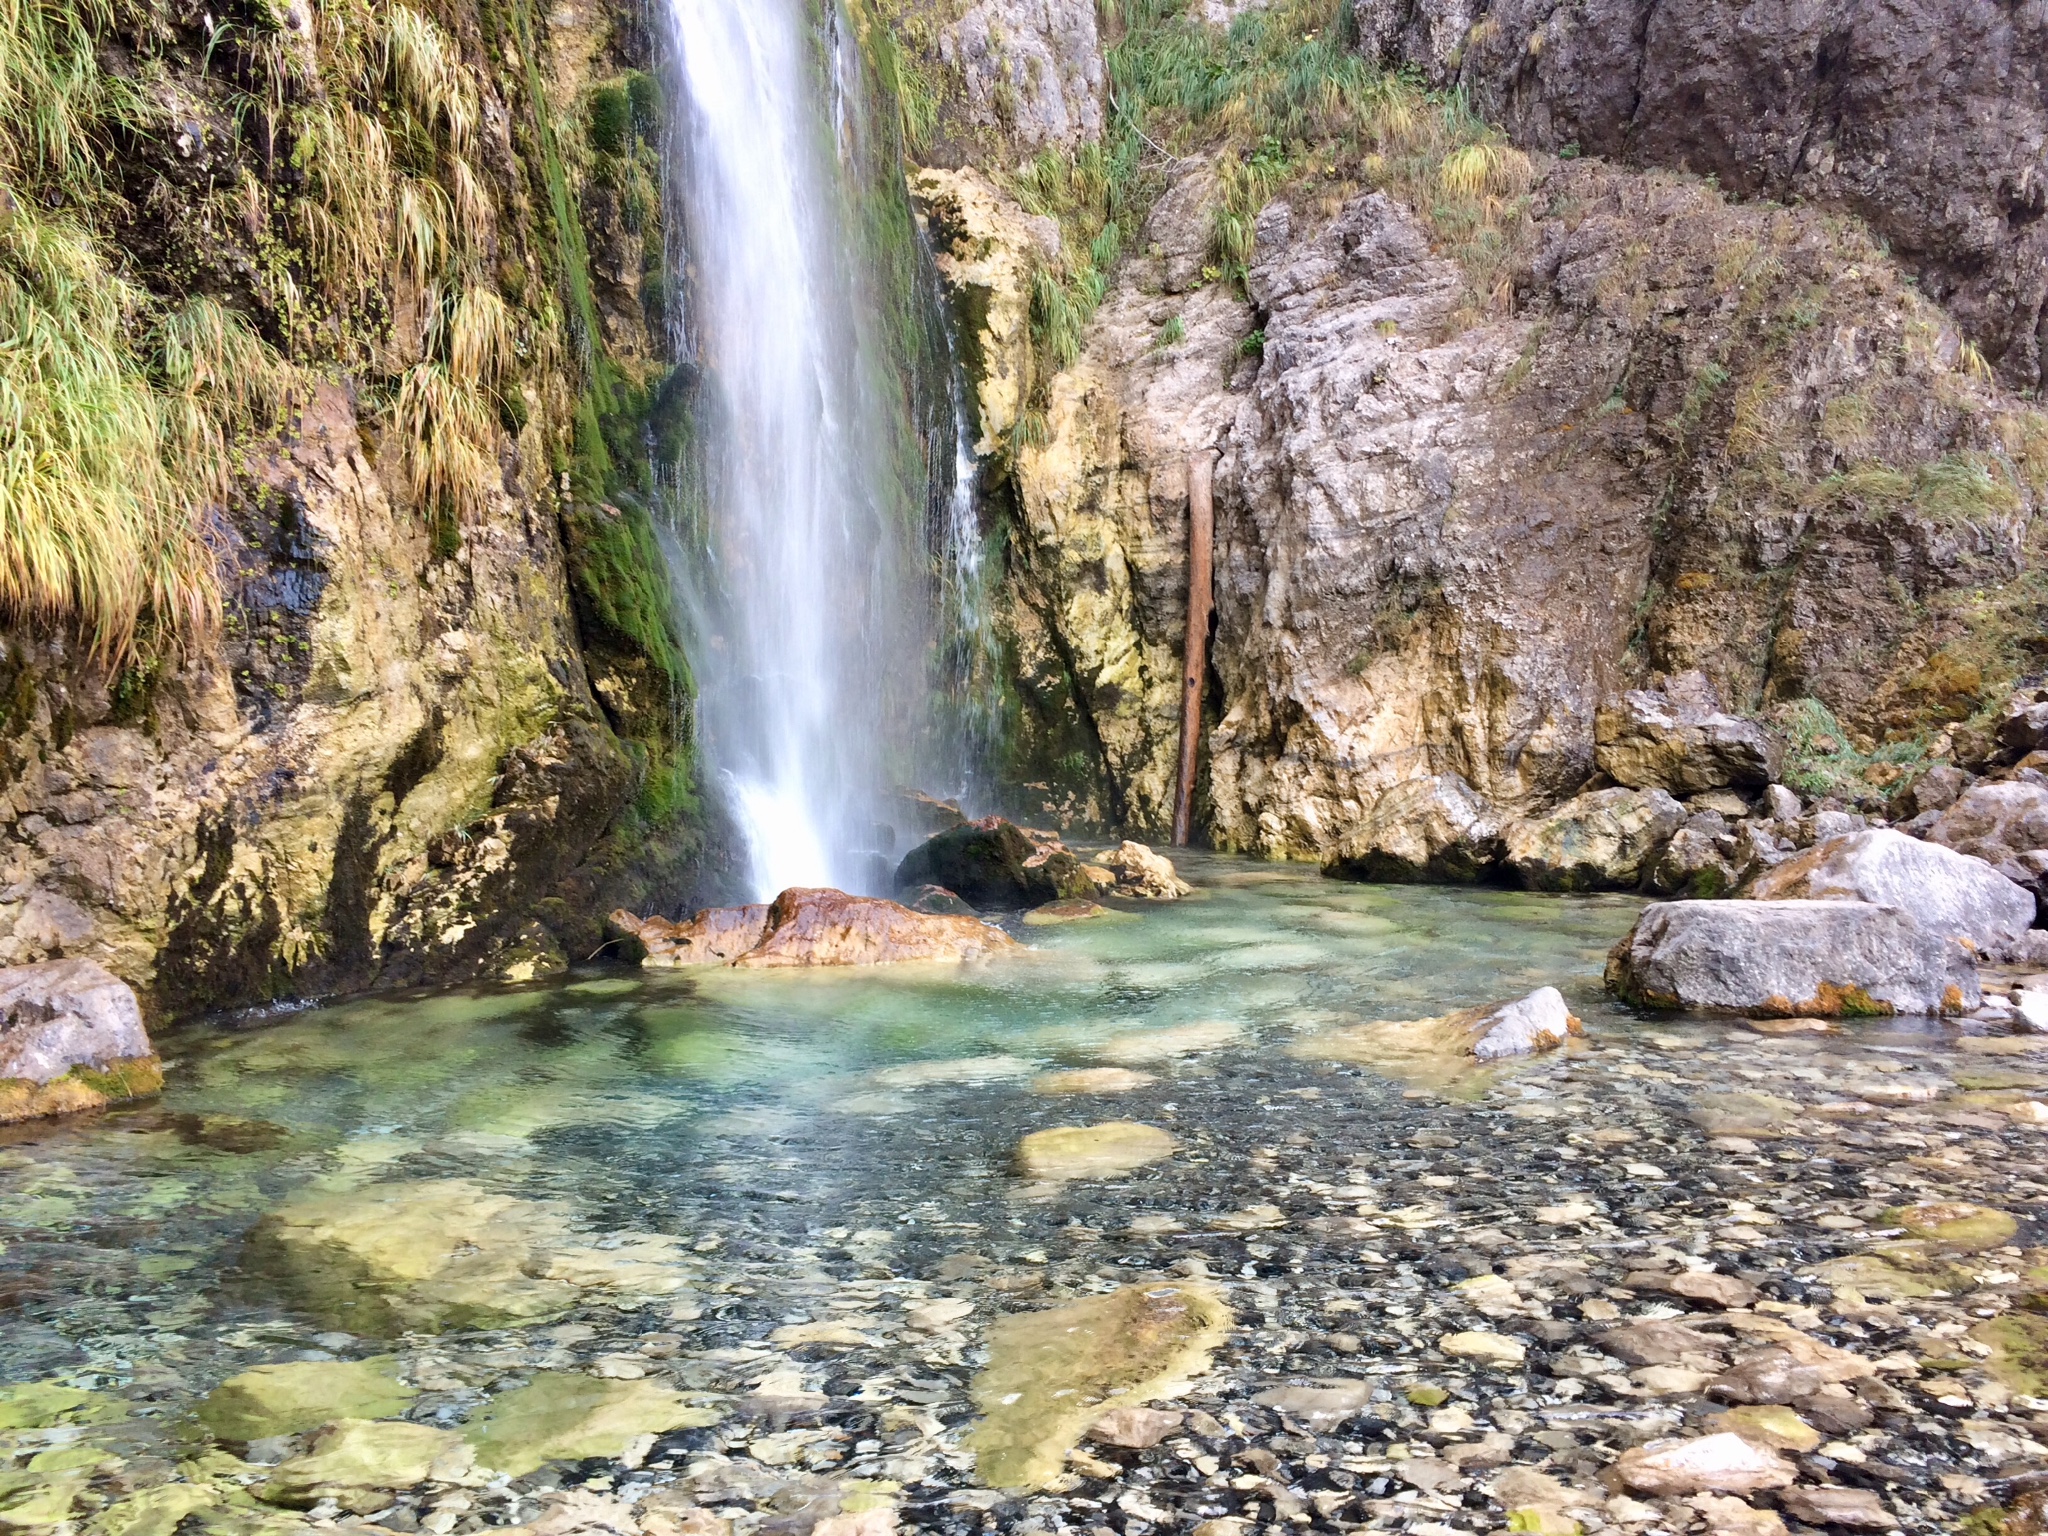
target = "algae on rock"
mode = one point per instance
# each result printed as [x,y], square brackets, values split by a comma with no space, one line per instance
[1051,1373]
[567,1416]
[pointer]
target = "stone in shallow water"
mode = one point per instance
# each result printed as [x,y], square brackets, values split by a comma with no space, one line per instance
[1791,958]
[566,1416]
[1057,913]
[966,1069]
[1723,1463]
[1955,1224]
[1092,1151]
[1851,1508]
[1495,1349]
[809,927]
[44,1404]
[1321,1404]
[359,1464]
[1774,1427]
[1135,1429]
[1446,1053]
[1050,1373]
[300,1395]
[1091,1080]
[430,1255]
[1141,874]
[1166,1044]
[71,1039]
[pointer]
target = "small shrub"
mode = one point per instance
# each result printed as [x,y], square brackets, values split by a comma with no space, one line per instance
[610,119]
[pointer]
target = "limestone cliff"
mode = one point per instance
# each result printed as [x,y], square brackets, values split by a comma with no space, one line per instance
[413,745]
[1473,484]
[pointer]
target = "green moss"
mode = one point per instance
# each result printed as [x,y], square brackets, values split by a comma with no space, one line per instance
[611,119]
[620,576]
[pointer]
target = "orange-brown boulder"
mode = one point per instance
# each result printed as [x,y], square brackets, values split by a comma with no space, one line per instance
[806,926]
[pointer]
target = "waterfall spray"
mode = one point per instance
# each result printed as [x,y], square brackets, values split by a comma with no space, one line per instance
[807,590]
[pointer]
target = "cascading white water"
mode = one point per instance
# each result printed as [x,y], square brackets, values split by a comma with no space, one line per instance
[808,595]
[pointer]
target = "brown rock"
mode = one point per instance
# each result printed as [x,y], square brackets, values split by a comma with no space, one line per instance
[1715,1290]
[1722,1463]
[1768,1376]
[826,927]
[1659,1343]
[1857,1508]
[715,936]
[1135,1429]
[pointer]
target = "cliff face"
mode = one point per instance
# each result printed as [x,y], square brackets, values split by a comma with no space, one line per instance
[1673,430]
[443,714]
[1927,119]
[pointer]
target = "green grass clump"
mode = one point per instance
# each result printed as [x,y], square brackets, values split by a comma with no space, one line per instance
[1279,102]
[1822,758]
[94,528]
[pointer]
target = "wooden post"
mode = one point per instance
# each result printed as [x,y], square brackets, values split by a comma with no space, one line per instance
[1195,652]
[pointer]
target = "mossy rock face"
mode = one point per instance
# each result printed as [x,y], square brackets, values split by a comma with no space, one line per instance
[1955,1224]
[2019,1350]
[81,1089]
[1050,1374]
[565,1416]
[300,1395]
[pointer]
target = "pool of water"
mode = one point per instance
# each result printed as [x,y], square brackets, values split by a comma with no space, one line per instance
[688,1102]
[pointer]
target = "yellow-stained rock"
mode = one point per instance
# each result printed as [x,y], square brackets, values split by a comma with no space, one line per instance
[1092,1151]
[1050,1374]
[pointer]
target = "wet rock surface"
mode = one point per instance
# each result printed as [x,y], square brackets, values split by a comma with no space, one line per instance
[1680,1277]
[806,927]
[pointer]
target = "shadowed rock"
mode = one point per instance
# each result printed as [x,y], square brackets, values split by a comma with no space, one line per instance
[1599,841]
[996,864]
[1678,738]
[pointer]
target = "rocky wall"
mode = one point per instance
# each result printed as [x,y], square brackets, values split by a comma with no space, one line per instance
[408,744]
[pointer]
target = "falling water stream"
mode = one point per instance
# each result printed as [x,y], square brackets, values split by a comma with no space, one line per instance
[809,594]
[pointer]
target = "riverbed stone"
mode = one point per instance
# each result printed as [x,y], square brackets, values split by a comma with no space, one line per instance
[1154,1045]
[1050,1374]
[1855,1509]
[1445,1053]
[1790,958]
[1721,1463]
[299,1395]
[425,1255]
[1679,738]
[1602,840]
[1955,1224]
[359,1463]
[1104,1151]
[1318,1404]
[1135,1429]
[1495,1349]
[1057,914]
[567,1416]
[1079,1080]
[1947,893]
[1773,1426]
[71,1039]
[809,927]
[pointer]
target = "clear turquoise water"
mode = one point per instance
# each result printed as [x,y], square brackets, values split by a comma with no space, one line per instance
[749,1103]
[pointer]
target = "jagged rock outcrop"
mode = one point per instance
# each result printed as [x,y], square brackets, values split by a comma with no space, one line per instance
[1601,840]
[1948,893]
[1680,738]
[1702,437]
[1029,71]
[1926,118]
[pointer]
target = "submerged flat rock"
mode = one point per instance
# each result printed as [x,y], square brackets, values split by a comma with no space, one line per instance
[359,1464]
[1091,1080]
[1050,1374]
[1092,1151]
[299,1395]
[566,1416]
[1166,1044]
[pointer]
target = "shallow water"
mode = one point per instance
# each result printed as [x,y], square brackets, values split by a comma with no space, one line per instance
[679,1101]
[837,1150]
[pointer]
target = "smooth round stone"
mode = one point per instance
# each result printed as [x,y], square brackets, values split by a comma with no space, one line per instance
[1092,1151]
[1091,1080]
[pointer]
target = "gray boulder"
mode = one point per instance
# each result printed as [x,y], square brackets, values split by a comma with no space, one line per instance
[1948,893]
[1790,959]
[71,1038]
[1678,738]
[1994,822]
[63,1014]
[1433,829]
[1599,841]
[2025,726]
[1696,862]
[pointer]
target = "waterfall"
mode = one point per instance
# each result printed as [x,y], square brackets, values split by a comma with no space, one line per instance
[805,585]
